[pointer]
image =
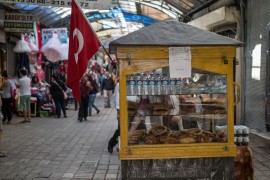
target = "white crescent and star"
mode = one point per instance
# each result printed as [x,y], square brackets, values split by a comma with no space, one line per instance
[79,35]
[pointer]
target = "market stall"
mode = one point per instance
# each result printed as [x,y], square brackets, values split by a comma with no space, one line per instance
[183,125]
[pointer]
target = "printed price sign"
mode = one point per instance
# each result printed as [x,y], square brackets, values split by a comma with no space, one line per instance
[85,4]
[180,62]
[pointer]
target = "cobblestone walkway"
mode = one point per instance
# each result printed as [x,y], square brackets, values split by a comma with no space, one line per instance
[64,148]
[51,148]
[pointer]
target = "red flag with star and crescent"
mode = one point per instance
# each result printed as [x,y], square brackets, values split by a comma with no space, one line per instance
[83,44]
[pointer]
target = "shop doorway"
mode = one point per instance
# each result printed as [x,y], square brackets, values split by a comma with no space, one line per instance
[3,58]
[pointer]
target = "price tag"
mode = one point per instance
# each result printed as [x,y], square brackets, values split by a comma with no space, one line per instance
[180,62]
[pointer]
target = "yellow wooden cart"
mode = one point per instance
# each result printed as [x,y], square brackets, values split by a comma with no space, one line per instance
[172,125]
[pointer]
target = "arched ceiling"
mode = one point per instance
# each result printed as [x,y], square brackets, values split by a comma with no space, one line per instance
[54,17]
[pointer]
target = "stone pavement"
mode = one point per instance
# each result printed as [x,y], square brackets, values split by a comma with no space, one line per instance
[64,148]
[51,148]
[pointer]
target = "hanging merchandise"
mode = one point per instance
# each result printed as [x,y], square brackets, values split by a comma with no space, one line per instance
[64,51]
[23,63]
[40,73]
[32,58]
[52,49]
[39,58]
[21,46]
[30,40]
[32,68]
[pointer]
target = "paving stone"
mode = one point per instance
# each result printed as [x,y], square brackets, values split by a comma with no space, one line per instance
[102,166]
[113,167]
[44,162]
[111,176]
[68,175]
[99,176]
[8,163]
[86,175]
[103,171]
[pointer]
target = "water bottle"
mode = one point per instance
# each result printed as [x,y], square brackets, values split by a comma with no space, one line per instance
[132,84]
[172,86]
[145,82]
[151,84]
[128,85]
[224,85]
[165,84]
[139,84]
[157,84]
[179,85]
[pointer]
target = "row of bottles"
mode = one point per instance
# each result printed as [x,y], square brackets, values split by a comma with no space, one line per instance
[152,84]
[156,84]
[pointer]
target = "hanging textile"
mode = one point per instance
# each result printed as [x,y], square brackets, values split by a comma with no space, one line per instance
[52,49]
[21,46]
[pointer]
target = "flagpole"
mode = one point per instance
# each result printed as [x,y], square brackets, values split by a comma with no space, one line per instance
[92,28]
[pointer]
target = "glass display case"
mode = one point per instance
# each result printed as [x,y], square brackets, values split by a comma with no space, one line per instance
[176,117]
[176,102]
[164,110]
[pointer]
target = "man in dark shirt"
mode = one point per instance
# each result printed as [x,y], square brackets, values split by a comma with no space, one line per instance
[107,88]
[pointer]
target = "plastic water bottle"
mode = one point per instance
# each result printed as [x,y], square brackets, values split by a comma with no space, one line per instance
[157,84]
[139,84]
[172,86]
[179,85]
[165,84]
[128,85]
[145,82]
[151,84]
[132,85]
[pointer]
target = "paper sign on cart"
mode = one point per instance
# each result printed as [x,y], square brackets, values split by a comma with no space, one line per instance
[180,62]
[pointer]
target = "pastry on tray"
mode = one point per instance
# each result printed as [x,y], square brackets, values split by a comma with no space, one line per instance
[133,140]
[187,139]
[151,140]
[158,130]
[137,133]
[168,140]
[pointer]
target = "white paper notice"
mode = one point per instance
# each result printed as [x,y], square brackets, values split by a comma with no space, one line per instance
[180,62]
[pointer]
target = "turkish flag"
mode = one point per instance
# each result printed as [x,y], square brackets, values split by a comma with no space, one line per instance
[83,44]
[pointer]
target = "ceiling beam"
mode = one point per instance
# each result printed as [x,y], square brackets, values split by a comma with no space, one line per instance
[201,7]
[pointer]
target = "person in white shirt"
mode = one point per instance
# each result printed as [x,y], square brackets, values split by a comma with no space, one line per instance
[25,95]
[114,139]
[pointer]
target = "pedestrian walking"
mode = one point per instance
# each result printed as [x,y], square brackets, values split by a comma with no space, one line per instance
[92,94]
[57,90]
[85,88]
[107,89]
[25,95]
[114,139]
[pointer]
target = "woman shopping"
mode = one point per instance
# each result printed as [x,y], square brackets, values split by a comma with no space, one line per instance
[92,94]
[57,90]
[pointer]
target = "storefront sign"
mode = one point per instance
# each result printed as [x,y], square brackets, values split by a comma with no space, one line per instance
[48,33]
[86,4]
[16,22]
[180,62]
